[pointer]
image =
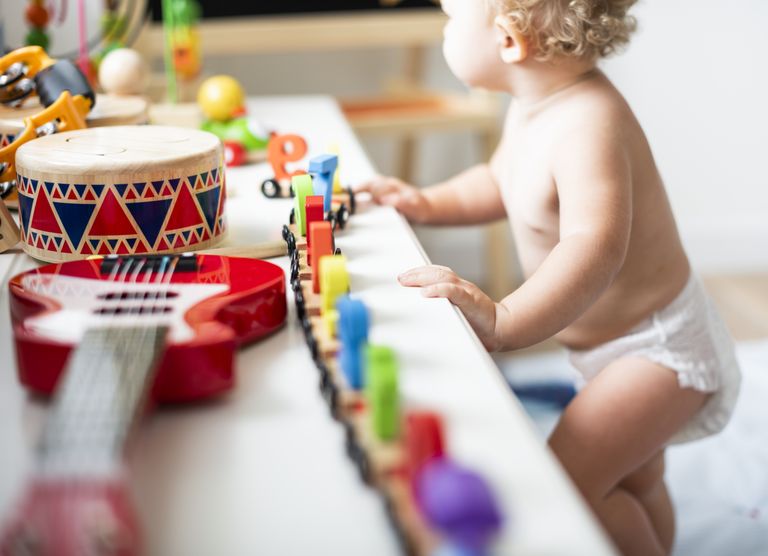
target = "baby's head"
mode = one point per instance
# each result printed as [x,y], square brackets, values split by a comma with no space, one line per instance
[543,30]
[569,28]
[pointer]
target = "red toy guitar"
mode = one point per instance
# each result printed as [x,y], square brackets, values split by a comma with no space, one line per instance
[128,330]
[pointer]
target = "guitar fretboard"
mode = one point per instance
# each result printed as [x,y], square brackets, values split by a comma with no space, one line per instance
[103,388]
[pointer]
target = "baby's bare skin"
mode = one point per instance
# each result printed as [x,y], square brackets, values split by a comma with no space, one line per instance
[654,267]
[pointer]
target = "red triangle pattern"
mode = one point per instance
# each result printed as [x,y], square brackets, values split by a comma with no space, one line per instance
[43,218]
[111,219]
[130,195]
[140,247]
[86,250]
[72,194]
[185,213]
[163,245]
[89,196]
[104,248]
[65,247]
[122,248]
[179,241]
[149,191]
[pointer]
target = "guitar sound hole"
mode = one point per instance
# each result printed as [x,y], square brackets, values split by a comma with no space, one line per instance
[123,296]
[140,310]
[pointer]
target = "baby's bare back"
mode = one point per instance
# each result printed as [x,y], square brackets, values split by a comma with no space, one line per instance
[655,267]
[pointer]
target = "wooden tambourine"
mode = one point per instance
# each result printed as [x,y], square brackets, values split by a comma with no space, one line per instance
[109,110]
[120,190]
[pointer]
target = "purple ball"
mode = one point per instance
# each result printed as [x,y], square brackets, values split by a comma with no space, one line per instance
[459,503]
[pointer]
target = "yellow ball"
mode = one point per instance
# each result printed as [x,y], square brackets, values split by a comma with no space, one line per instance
[220,97]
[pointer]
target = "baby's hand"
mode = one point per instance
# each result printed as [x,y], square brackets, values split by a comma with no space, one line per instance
[408,200]
[478,308]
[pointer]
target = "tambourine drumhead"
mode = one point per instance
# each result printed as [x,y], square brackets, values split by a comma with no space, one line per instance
[120,190]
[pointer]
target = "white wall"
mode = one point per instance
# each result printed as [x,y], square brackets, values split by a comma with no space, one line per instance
[696,74]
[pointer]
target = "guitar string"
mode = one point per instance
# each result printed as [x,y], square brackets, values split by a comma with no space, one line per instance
[64,417]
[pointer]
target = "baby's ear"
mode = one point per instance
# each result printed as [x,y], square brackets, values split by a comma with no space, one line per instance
[513,45]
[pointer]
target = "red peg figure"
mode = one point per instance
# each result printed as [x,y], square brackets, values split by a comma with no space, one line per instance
[424,440]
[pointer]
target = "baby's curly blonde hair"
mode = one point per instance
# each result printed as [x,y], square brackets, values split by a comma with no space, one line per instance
[570,28]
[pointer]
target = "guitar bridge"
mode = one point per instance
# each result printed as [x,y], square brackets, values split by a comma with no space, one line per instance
[185,262]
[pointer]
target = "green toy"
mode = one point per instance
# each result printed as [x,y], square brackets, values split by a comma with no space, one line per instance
[382,391]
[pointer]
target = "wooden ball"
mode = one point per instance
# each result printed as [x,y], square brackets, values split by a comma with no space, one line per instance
[123,72]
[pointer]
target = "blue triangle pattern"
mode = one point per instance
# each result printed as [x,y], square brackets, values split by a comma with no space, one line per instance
[64,188]
[185,235]
[113,243]
[209,202]
[97,189]
[80,188]
[158,185]
[57,240]
[94,244]
[205,177]
[215,175]
[131,241]
[121,187]
[170,238]
[150,216]
[34,185]
[174,183]
[140,187]
[45,240]
[49,186]
[74,217]
[25,210]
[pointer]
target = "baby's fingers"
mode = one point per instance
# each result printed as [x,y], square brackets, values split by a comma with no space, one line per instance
[426,275]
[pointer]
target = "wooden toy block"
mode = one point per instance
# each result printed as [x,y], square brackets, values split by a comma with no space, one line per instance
[424,439]
[302,186]
[283,149]
[349,400]
[327,346]
[314,213]
[385,457]
[9,232]
[419,538]
[381,390]
[354,322]
[312,301]
[323,167]
[322,238]
[334,280]
[301,241]
[305,271]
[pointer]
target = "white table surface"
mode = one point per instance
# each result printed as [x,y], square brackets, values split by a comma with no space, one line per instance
[264,470]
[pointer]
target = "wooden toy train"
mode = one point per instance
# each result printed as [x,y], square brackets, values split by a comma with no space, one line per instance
[435,505]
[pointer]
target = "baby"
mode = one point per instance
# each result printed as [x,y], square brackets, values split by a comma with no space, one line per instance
[606,273]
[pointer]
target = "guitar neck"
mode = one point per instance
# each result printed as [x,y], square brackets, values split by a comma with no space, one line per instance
[102,391]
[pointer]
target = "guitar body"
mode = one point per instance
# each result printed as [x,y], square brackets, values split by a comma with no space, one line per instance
[246,301]
[110,337]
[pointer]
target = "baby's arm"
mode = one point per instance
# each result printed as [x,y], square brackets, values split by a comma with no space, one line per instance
[471,197]
[592,174]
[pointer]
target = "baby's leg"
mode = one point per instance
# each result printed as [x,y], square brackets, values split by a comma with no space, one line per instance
[610,441]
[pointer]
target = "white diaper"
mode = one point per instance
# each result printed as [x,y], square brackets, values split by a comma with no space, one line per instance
[689,337]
